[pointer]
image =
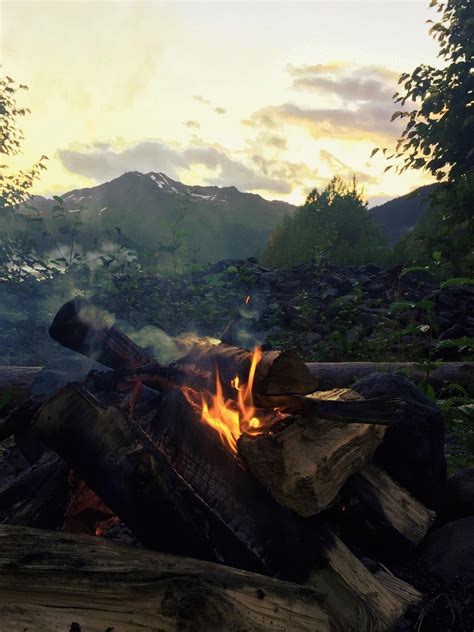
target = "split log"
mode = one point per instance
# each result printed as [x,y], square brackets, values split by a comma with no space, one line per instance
[380,515]
[406,594]
[82,327]
[343,374]
[119,462]
[277,373]
[50,580]
[305,463]
[372,607]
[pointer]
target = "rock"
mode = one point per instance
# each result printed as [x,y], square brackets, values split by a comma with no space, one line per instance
[448,552]
[372,267]
[268,278]
[412,451]
[459,497]
[454,332]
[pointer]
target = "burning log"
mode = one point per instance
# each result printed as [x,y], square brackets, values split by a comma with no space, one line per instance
[117,460]
[304,464]
[277,373]
[49,580]
[82,327]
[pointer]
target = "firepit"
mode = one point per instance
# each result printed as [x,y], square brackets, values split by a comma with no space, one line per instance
[228,456]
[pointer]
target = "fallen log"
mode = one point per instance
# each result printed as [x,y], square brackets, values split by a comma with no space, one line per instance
[277,373]
[305,463]
[49,581]
[343,374]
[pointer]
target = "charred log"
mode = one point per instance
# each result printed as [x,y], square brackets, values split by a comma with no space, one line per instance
[82,327]
[119,462]
[278,372]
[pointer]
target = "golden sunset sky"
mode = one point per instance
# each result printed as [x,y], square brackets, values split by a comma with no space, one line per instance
[273,98]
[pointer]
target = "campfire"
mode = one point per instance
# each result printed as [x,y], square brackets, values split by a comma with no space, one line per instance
[229,456]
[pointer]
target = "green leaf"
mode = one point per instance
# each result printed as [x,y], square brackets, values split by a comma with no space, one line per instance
[413,269]
[457,281]
[400,306]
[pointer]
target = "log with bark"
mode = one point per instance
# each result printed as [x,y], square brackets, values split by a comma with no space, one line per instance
[82,327]
[277,373]
[48,581]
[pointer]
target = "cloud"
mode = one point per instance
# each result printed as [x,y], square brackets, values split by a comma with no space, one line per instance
[370,121]
[350,82]
[108,163]
[192,124]
[217,109]
[360,100]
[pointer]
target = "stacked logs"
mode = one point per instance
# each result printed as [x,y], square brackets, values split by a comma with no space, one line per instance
[272,509]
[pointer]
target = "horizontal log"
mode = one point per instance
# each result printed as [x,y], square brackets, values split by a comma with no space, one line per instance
[50,580]
[277,373]
[344,374]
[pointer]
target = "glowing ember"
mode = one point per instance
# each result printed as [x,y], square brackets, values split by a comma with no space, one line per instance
[247,300]
[229,417]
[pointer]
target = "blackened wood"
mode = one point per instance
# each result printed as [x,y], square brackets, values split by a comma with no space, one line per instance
[38,496]
[287,545]
[381,411]
[82,327]
[50,580]
[278,372]
[119,462]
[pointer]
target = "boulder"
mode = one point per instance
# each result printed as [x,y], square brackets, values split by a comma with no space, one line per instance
[448,552]
[412,451]
[459,497]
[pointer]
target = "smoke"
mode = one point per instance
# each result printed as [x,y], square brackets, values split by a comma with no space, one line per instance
[165,348]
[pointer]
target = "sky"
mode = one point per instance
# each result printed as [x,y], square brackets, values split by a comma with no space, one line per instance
[273,98]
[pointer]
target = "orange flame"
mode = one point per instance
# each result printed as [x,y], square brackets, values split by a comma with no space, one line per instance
[247,300]
[228,417]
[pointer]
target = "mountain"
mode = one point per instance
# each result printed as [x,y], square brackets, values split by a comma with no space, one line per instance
[218,222]
[400,215]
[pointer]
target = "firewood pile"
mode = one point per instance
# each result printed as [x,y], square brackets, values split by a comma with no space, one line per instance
[240,490]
